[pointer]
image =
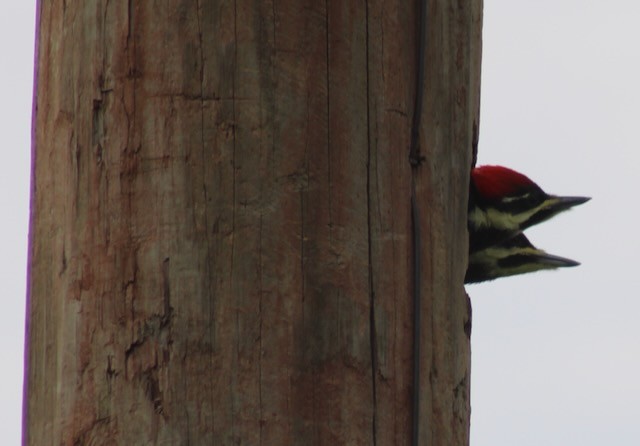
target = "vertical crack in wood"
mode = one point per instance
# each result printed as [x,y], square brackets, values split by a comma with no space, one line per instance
[372,312]
[129,21]
[165,319]
[209,266]
[260,318]
[328,84]
[128,170]
[233,383]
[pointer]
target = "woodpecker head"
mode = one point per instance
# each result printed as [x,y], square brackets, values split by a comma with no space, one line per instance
[503,202]
[512,257]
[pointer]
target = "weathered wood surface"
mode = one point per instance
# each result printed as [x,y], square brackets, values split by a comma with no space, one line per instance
[220,232]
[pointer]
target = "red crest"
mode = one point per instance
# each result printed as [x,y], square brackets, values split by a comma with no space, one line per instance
[495,182]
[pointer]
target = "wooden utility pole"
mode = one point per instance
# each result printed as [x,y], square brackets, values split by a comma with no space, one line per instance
[220,243]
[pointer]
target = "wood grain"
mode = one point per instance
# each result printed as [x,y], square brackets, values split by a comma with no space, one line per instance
[220,233]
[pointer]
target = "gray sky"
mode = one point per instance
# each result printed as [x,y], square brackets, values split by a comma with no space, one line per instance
[556,356]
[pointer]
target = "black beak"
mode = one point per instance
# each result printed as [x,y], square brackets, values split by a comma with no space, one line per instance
[554,206]
[554,261]
[560,204]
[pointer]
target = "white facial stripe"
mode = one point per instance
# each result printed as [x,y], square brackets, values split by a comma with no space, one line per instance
[491,256]
[519,197]
[504,220]
[496,253]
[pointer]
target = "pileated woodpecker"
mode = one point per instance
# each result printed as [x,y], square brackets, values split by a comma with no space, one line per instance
[503,203]
[511,257]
